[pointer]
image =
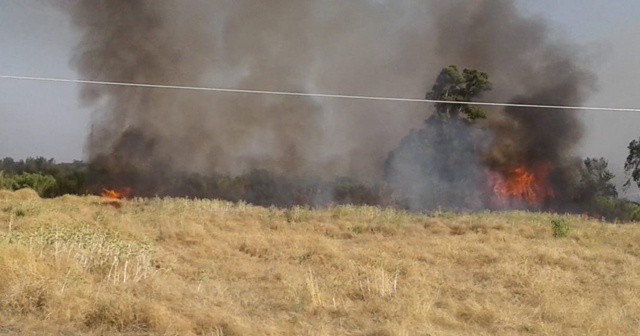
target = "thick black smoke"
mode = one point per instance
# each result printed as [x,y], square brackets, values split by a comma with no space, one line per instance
[528,65]
[300,46]
[368,47]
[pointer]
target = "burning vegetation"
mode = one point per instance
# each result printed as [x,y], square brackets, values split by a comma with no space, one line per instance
[124,193]
[295,151]
[520,188]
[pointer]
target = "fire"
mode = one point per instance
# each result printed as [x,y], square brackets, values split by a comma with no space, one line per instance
[124,193]
[520,187]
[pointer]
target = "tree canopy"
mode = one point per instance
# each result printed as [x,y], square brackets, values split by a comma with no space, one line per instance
[632,164]
[434,166]
[455,86]
[596,179]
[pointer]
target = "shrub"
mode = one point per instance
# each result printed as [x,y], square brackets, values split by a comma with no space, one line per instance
[356,194]
[298,214]
[615,209]
[560,228]
[40,183]
[5,182]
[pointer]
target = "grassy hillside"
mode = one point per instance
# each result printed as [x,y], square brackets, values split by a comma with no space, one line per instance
[82,266]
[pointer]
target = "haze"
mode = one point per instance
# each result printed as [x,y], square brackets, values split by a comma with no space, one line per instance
[44,119]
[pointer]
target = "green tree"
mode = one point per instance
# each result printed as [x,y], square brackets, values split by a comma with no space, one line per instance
[8,165]
[5,181]
[434,166]
[455,86]
[42,184]
[632,165]
[596,179]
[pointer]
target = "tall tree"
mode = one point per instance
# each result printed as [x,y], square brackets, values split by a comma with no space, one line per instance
[596,179]
[434,166]
[632,165]
[455,86]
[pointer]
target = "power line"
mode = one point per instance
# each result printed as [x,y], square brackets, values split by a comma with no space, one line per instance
[316,95]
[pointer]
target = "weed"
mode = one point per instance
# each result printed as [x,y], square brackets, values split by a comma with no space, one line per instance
[359,229]
[92,249]
[339,212]
[298,215]
[560,228]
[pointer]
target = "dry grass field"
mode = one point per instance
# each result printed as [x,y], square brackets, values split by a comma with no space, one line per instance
[84,266]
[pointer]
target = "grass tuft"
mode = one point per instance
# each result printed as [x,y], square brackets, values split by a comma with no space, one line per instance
[560,228]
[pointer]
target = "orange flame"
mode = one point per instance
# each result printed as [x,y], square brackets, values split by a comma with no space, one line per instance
[124,193]
[520,187]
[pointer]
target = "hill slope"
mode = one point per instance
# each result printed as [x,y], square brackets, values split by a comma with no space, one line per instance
[84,266]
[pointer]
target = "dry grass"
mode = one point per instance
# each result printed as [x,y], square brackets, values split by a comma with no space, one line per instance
[177,267]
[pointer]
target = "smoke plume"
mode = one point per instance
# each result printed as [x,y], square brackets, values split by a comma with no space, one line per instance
[298,46]
[528,65]
[368,47]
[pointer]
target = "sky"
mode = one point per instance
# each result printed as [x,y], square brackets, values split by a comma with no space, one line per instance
[609,30]
[45,119]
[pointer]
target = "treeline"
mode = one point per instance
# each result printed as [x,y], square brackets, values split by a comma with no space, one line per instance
[47,177]
[439,166]
[259,187]
[596,195]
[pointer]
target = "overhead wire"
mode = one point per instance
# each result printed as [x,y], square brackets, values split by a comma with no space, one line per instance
[314,95]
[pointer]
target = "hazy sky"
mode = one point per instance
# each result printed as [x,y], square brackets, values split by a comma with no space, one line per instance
[610,30]
[44,119]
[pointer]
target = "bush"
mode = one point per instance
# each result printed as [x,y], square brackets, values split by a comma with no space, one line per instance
[560,228]
[5,182]
[41,184]
[348,191]
[70,178]
[613,209]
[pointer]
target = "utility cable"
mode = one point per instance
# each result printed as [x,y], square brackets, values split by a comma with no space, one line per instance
[315,95]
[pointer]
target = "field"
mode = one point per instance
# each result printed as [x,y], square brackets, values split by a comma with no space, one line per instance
[87,266]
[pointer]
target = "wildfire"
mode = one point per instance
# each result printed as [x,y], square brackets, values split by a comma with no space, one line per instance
[520,187]
[124,193]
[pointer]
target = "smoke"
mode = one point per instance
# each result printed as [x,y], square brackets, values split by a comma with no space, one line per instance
[300,46]
[528,65]
[367,47]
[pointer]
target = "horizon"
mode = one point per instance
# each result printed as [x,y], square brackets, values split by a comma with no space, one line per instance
[40,40]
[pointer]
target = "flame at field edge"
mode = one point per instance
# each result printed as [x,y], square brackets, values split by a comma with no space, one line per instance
[124,193]
[519,187]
